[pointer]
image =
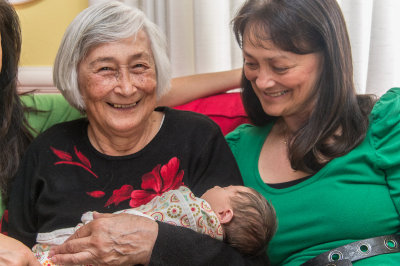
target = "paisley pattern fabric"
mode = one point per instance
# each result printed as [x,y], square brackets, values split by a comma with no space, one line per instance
[178,207]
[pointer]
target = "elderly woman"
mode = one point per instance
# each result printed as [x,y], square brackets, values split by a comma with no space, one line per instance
[112,65]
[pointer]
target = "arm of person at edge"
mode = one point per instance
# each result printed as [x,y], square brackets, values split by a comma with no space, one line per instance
[188,88]
[13,252]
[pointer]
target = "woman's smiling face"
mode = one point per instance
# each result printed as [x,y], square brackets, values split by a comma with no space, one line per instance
[117,81]
[283,81]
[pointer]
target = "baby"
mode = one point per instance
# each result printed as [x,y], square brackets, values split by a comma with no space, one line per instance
[238,215]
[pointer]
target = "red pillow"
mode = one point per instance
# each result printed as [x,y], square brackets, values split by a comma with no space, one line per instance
[225,109]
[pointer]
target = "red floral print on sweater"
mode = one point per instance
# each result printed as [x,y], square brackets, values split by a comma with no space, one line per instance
[120,195]
[161,179]
[66,158]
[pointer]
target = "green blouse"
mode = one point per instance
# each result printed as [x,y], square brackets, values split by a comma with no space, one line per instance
[51,109]
[356,196]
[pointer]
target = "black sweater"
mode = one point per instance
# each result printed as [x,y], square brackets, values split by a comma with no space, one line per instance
[62,176]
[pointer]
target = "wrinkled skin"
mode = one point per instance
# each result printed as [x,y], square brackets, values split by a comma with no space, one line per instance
[101,242]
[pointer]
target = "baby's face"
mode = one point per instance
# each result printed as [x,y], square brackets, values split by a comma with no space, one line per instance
[219,197]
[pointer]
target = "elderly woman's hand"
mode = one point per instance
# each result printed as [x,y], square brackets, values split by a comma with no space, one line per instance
[110,239]
[13,252]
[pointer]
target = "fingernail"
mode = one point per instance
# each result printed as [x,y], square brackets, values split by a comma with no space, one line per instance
[51,253]
[53,259]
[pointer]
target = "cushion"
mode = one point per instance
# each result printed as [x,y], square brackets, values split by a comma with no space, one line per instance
[225,109]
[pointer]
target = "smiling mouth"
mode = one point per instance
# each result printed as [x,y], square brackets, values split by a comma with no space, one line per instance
[123,106]
[277,94]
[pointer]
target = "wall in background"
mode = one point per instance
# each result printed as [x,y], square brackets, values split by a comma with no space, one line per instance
[200,38]
[43,23]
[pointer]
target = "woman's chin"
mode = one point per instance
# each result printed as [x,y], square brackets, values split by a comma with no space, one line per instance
[273,112]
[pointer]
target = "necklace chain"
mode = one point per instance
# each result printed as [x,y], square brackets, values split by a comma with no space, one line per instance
[285,135]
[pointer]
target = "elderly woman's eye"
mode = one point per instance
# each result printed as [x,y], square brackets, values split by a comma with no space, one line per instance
[105,69]
[139,66]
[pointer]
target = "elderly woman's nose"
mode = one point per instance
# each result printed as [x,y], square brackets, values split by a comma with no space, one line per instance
[126,83]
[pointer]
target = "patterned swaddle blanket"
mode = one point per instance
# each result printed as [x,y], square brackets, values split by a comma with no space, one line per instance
[178,207]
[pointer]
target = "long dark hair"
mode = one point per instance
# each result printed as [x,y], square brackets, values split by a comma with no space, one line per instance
[303,27]
[14,135]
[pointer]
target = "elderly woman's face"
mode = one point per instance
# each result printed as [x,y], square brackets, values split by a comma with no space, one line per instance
[117,81]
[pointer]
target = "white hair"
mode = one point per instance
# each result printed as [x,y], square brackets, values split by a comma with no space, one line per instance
[105,22]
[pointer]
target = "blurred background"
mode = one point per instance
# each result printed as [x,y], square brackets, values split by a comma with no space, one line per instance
[200,38]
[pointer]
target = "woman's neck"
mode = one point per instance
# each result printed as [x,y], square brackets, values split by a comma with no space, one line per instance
[294,122]
[289,126]
[124,144]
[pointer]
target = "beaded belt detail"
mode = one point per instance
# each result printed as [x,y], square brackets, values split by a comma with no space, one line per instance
[345,255]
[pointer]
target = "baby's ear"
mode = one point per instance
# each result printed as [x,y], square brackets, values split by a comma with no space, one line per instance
[225,216]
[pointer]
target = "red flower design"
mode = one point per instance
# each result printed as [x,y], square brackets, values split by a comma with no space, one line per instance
[82,158]
[158,181]
[62,154]
[96,194]
[67,159]
[120,195]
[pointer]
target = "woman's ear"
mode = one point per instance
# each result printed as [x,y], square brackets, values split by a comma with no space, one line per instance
[225,216]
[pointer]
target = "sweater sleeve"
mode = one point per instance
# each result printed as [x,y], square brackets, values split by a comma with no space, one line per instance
[385,127]
[45,110]
[213,163]
[191,248]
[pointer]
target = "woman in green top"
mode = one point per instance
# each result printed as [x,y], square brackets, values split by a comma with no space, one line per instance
[327,158]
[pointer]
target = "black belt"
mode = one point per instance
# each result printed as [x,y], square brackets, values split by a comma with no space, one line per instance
[345,255]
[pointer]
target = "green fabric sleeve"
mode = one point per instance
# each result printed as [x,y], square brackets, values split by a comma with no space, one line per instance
[233,137]
[386,140]
[47,110]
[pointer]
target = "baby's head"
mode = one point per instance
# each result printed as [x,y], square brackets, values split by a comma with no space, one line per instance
[247,219]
